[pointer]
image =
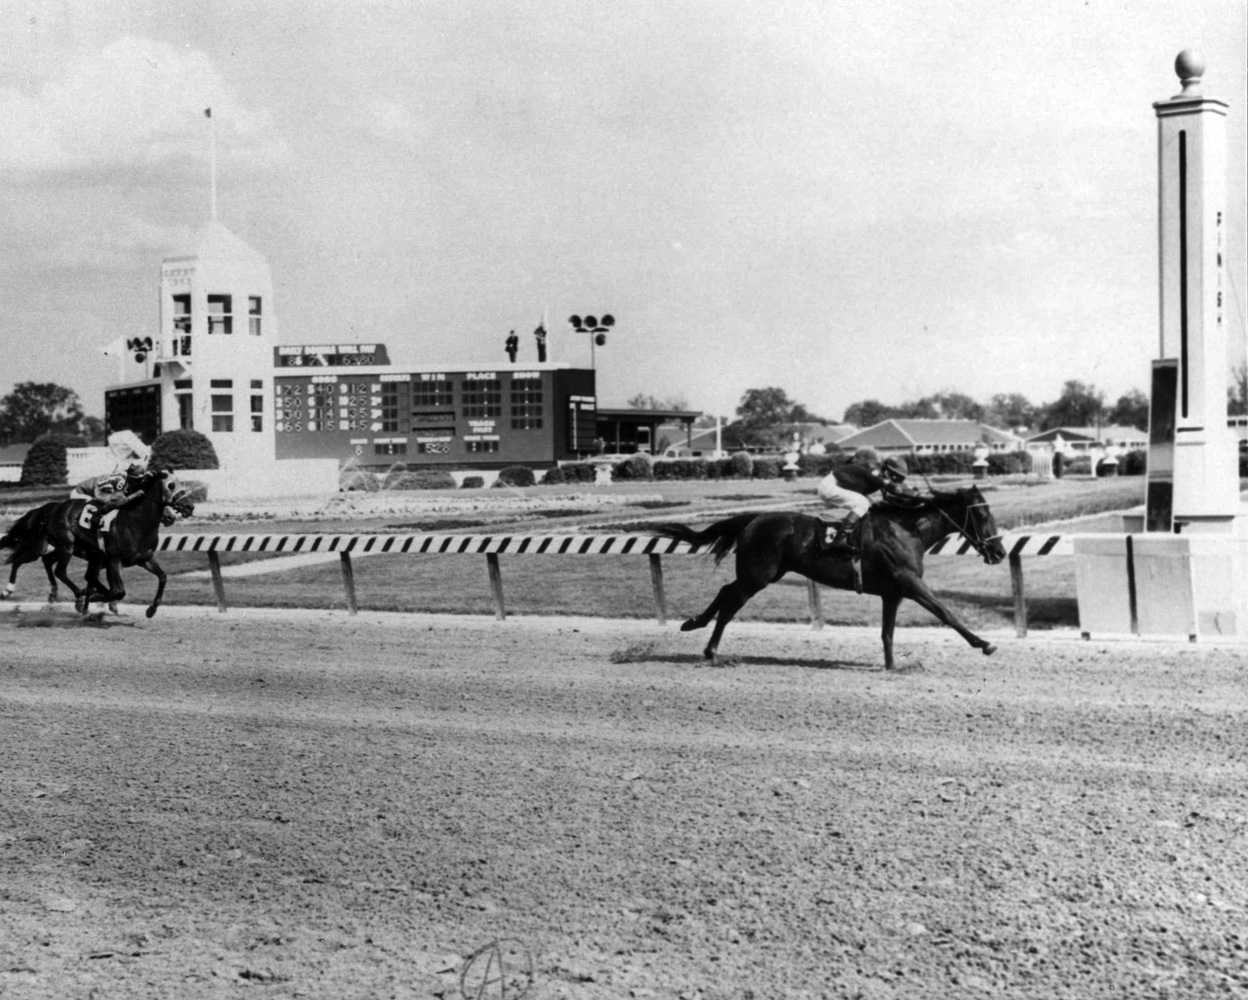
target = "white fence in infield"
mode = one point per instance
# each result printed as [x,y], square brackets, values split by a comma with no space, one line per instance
[493,546]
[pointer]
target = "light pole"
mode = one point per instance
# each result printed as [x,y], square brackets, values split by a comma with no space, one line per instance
[597,330]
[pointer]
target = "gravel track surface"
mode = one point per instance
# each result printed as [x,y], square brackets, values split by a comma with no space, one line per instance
[327,806]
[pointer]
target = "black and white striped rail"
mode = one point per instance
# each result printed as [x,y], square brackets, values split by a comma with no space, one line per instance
[492,546]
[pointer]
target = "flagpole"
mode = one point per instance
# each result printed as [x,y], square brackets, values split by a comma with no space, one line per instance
[212,142]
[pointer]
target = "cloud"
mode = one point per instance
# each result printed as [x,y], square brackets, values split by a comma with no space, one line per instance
[392,122]
[122,244]
[134,103]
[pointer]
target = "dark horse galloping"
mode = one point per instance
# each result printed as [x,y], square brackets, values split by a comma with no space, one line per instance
[55,532]
[894,537]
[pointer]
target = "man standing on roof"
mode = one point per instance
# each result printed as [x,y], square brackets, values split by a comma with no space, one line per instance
[850,487]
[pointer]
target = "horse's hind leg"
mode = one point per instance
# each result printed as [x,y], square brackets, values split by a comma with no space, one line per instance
[61,559]
[704,619]
[49,564]
[731,599]
[9,587]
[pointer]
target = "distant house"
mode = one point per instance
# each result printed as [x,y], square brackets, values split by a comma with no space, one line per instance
[1083,439]
[12,456]
[929,437]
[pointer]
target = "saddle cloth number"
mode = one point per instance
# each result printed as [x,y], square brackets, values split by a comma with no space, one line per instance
[106,522]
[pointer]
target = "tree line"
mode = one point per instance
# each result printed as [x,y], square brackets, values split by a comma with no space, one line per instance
[765,417]
[33,409]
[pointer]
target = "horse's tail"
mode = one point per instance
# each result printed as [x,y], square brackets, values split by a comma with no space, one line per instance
[25,535]
[722,534]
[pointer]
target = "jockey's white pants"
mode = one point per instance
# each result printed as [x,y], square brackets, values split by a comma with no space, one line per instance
[837,497]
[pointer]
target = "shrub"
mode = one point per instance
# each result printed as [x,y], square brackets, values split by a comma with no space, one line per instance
[1135,463]
[1243,465]
[515,475]
[393,475]
[352,478]
[579,472]
[421,479]
[818,465]
[553,477]
[46,463]
[1008,463]
[635,468]
[183,449]
[947,463]
[767,468]
[742,465]
[1080,466]
[472,483]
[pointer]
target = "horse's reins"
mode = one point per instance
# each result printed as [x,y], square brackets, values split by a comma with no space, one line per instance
[979,544]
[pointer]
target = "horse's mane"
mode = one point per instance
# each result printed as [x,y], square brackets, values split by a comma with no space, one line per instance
[903,503]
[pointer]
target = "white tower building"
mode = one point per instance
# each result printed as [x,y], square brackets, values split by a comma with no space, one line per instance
[217,337]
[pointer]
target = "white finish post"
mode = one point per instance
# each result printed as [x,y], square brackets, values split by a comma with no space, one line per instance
[1191,163]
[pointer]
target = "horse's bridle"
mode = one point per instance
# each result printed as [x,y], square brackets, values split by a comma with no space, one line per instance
[980,545]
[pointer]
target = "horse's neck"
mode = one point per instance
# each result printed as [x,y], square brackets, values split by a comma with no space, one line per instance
[929,525]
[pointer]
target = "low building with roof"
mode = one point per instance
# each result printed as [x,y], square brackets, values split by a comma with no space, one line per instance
[930,437]
[1085,439]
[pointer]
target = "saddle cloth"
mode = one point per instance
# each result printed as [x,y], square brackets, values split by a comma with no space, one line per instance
[830,527]
[106,522]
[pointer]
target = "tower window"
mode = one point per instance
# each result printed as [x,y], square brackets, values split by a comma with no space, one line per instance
[182,326]
[257,412]
[222,412]
[253,315]
[220,314]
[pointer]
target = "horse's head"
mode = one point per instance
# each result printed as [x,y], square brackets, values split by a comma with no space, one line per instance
[979,527]
[162,486]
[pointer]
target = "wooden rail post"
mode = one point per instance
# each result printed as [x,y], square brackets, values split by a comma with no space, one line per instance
[218,584]
[348,582]
[816,605]
[656,580]
[1020,595]
[496,585]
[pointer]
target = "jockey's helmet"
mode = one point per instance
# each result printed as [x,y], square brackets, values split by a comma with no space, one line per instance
[894,468]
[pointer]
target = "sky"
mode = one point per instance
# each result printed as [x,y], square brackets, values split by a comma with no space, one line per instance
[854,200]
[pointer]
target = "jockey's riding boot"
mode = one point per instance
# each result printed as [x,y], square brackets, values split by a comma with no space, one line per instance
[845,533]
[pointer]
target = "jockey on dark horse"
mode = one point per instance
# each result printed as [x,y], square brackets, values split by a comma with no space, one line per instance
[110,492]
[850,487]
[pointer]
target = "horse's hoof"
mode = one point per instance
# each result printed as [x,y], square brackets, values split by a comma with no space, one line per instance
[150,611]
[989,649]
[689,624]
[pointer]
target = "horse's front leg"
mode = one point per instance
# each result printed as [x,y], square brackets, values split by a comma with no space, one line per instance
[919,592]
[891,602]
[116,586]
[153,567]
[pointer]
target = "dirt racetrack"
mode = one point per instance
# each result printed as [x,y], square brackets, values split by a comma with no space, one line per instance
[314,805]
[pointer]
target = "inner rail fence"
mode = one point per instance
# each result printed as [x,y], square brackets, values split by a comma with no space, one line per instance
[491,547]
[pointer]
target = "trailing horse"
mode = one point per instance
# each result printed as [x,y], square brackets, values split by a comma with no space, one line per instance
[127,537]
[894,537]
[27,541]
